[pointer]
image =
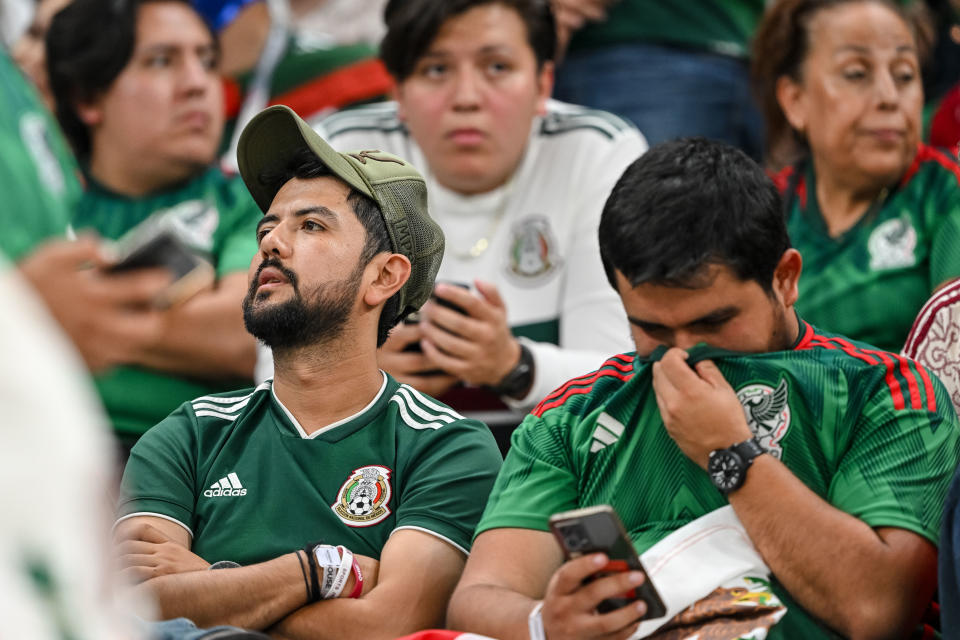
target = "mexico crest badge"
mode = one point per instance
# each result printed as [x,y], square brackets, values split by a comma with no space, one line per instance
[533,250]
[768,414]
[364,498]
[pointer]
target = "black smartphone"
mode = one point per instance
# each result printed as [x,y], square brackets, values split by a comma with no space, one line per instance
[414,318]
[158,247]
[596,529]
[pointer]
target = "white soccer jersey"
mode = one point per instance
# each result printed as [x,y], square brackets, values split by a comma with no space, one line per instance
[543,253]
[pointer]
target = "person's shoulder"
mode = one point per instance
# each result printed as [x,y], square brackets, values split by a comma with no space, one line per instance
[564,121]
[416,411]
[870,370]
[221,410]
[578,396]
[380,117]
[940,165]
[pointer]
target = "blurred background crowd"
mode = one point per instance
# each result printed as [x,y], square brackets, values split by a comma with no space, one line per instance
[115,114]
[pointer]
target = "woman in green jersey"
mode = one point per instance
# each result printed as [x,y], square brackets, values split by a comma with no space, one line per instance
[875,213]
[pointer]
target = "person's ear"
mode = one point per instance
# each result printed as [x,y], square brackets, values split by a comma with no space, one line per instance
[786,276]
[384,276]
[791,98]
[90,112]
[545,79]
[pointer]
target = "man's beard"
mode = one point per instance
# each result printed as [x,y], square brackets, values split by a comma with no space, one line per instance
[299,322]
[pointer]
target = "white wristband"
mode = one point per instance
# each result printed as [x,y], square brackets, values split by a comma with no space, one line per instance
[535,623]
[343,573]
[328,561]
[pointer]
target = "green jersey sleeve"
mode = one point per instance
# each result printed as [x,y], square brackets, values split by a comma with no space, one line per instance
[537,479]
[160,476]
[235,242]
[449,481]
[38,175]
[898,462]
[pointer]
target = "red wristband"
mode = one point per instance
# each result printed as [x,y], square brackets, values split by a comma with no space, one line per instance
[358,575]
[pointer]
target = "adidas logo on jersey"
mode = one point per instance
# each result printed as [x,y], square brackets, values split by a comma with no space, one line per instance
[226,487]
[608,431]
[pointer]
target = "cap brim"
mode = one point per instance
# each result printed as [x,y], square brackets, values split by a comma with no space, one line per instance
[271,140]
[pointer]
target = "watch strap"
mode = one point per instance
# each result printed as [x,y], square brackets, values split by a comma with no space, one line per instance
[748,450]
[518,380]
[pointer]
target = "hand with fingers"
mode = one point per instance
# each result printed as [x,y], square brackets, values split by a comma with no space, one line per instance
[402,357]
[151,554]
[109,317]
[570,604]
[476,345]
[698,406]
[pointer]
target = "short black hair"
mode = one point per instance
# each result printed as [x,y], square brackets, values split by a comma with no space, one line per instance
[305,165]
[688,204]
[412,25]
[88,44]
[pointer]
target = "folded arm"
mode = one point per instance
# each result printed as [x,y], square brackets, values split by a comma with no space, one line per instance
[418,572]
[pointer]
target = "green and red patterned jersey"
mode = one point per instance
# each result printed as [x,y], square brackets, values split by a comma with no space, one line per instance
[869,282]
[242,476]
[870,432]
[315,78]
[38,175]
[214,213]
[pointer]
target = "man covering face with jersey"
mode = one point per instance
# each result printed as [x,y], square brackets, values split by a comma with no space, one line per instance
[349,500]
[755,460]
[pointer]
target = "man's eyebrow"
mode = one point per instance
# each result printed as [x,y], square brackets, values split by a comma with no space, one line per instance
[717,315]
[270,217]
[319,210]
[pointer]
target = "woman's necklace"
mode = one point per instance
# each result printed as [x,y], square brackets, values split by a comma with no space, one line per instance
[483,242]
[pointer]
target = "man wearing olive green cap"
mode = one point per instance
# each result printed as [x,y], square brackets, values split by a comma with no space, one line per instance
[332,449]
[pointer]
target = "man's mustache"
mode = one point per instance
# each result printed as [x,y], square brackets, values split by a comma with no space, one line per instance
[274,263]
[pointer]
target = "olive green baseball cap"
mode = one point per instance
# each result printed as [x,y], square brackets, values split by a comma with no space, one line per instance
[276,135]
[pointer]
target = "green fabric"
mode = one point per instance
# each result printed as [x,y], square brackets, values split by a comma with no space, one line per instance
[440,473]
[546,331]
[719,26]
[38,175]
[217,215]
[840,434]
[869,283]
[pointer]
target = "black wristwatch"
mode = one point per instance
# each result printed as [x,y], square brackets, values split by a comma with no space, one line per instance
[516,383]
[728,467]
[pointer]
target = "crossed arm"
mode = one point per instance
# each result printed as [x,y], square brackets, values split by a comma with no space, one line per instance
[406,591]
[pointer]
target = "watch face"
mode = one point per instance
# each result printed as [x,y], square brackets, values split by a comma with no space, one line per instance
[725,469]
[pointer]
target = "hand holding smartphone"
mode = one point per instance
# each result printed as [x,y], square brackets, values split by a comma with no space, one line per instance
[158,246]
[599,529]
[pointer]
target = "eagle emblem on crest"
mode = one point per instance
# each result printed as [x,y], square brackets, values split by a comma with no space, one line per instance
[767,413]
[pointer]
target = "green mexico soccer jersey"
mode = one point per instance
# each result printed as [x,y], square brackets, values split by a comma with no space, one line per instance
[38,175]
[241,475]
[719,26]
[869,432]
[214,213]
[870,282]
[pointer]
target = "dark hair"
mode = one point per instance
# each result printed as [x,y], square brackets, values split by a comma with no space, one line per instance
[687,204]
[87,46]
[780,47]
[305,165]
[412,25]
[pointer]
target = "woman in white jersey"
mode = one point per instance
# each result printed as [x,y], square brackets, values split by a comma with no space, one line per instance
[517,183]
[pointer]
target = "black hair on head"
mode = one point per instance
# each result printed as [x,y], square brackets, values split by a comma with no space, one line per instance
[87,46]
[412,26]
[688,204]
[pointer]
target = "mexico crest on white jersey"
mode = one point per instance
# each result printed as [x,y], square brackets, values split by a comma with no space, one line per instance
[768,414]
[364,498]
[533,250]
